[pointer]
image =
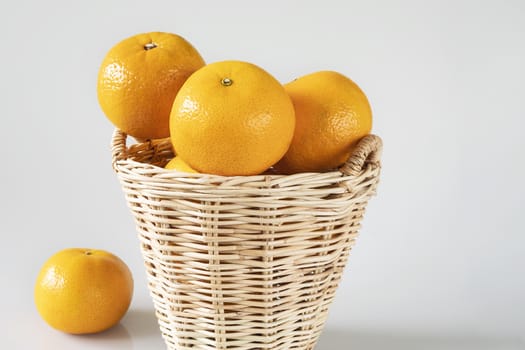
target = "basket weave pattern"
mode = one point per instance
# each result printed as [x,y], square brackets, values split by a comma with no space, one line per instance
[247,262]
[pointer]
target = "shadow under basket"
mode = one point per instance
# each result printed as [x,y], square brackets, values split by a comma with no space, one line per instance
[243,262]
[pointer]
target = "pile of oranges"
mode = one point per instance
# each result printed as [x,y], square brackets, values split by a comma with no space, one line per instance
[227,118]
[231,117]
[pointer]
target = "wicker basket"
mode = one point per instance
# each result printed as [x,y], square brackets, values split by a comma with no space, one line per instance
[244,262]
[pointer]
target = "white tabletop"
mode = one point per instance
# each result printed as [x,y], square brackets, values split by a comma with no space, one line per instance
[138,330]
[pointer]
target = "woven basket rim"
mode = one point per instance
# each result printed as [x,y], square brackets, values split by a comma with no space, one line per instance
[366,155]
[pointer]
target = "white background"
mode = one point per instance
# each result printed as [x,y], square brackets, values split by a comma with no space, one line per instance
[440,261]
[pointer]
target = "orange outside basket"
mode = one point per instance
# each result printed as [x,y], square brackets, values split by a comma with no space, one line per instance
[243,262]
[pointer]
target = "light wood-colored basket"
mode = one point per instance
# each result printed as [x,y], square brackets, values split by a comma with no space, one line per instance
[243,262]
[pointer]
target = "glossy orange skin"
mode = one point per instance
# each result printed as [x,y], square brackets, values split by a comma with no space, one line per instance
[81,291]
[231,118]
[332,115]
[139,78]
[177,163]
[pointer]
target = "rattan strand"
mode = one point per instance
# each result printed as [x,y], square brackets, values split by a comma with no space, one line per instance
[246,262]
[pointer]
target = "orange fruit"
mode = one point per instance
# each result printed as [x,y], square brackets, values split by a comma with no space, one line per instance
[177,163]
[139,78]
[83,291]
[332,115]
[231,118]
